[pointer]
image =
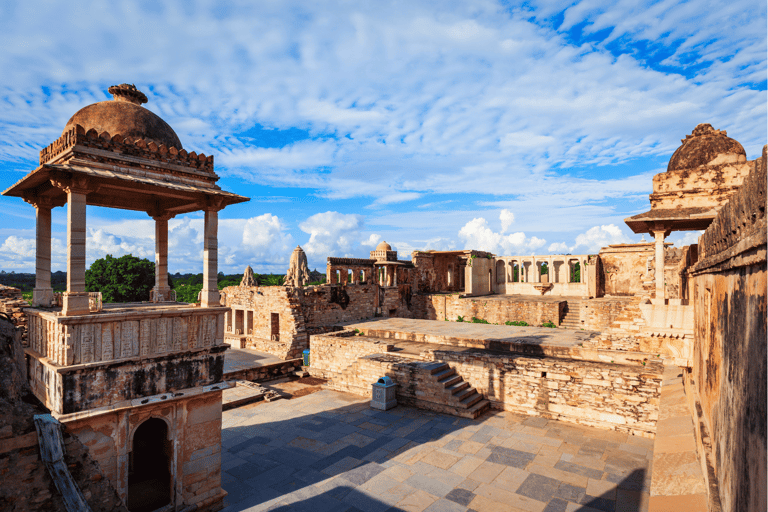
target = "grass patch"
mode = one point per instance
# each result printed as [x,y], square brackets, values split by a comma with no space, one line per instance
[517,323]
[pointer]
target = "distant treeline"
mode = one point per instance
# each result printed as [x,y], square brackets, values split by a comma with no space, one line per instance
[26,282]
[187,286]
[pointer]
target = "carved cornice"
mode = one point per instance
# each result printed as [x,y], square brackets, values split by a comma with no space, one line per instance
[73,184]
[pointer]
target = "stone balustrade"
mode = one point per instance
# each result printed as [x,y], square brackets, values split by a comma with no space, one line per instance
[143,332]
[521,275]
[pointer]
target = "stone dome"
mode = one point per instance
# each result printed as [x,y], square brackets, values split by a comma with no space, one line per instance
[383,246]
[124,115]
[704,146]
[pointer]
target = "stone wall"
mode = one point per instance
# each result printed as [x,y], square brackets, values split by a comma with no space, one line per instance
[495,311]
[727,383]
[250,319]
[194,430]
[25,484]
[620,397]
[628,269]
[332,355]
[332,304]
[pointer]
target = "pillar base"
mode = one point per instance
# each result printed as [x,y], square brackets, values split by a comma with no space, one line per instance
[42,297]
[160,294]
[210,298]
[75,303]
[659,302]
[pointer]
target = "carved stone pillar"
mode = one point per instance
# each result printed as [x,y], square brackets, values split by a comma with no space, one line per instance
[659,233]
[42,295]
[76,298]
[209,296]
[161,289]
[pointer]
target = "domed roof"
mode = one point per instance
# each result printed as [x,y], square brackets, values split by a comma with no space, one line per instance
[124,115]
[703,146]
[383,246]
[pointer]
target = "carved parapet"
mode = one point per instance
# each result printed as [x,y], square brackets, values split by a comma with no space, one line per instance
[107,337]
[124,146]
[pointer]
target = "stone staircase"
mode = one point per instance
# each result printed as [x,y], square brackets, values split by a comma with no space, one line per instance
[572,317]
[455,394]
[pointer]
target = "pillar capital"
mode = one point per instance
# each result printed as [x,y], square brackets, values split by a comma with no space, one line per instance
[73,184]
[39,202]
[212,203]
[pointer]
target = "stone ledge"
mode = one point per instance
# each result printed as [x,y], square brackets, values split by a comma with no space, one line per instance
[677,481]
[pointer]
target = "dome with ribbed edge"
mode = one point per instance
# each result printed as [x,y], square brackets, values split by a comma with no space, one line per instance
[383,246]
[704,146]
[125,116]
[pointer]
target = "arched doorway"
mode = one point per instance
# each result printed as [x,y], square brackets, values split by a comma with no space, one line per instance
[149,476]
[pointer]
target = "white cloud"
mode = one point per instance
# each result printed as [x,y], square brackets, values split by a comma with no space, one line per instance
[559,247]
[100,242]
[332,234]
[477,235]
[600,236]
[372,241]
[507,218]
[19,253]
[266,240]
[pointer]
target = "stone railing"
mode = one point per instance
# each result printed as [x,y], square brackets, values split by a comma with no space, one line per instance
[521,275]
[128,334]
[95,302]
[170,296]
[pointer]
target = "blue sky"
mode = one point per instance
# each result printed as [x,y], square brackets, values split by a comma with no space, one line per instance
[519,128]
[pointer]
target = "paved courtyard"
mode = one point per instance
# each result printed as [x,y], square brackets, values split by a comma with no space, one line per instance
[330,451]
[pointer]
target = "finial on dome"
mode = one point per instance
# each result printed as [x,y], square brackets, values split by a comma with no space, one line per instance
[127,92]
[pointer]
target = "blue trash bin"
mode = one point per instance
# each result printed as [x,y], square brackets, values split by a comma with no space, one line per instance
[306,357]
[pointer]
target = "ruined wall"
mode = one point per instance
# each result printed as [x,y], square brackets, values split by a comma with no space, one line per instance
[480,277]
[11,303]
[701,186]
[623,397]
[727,383]
[435,272]
[25,484]
[598,314]
[250,319]
[332,355]
[327,305]
[628,269]
[450,307]
[620,397]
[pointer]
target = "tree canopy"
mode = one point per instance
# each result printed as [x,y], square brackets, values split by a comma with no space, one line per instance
[123,279]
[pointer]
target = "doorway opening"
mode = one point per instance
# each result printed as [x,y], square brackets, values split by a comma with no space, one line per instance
[149,475]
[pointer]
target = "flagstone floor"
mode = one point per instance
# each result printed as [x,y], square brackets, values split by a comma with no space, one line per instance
[330,451]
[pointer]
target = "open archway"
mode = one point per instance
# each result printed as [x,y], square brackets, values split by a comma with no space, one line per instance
[149,475]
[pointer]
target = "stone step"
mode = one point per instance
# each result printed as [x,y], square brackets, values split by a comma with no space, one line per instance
[472,399]
[444,373]
[455,388]
[465,393]
[449,381]
[477,409]
[437,367]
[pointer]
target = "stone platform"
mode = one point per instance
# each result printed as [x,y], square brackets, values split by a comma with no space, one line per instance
[253,365]
[412,336]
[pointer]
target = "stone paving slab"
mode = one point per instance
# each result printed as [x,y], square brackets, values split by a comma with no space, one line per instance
[314,453]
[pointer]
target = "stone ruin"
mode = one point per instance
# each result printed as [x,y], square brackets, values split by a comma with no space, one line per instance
[248,279]
[298,270]
[642,322]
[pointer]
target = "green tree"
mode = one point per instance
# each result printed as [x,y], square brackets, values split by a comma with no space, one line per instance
[123,279]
